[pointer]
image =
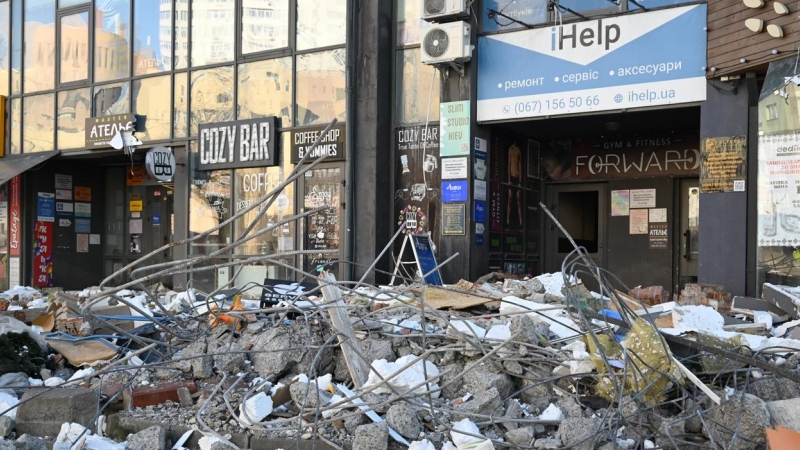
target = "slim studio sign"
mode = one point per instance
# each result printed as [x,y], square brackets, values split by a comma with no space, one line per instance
[240,144]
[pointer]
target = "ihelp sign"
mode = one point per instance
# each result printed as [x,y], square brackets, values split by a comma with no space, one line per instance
[632,61]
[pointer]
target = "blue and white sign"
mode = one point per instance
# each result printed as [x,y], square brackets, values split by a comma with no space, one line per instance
[426,260]
[631,61]
[480,212]
[455,191]
[46,207]
[83,226]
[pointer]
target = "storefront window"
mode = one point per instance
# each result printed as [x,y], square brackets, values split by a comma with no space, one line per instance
[149,104]
[112,99]
[37,119]
[152,36]
[181,93]
[16,126]
[265,25]
[16,46]
[209,205]
[320,24]
[73,109]
[496,14]
[417,88]
[4,46]
[408,15]
[320,87]
[74,47]
[321,230]
[111,39]
[213,25]
[181,35]
[265,89]
[778,235]
[252,185]
[212,96]
[115,213]
[40,48]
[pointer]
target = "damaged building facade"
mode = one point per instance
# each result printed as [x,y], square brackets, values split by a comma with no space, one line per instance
[630,121]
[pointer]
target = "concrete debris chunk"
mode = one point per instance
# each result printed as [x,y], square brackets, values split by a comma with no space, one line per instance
[739,423]
[7,425]
[484,402]
[229,358]
[308,396]
[481,377]
[43,413]
[374,436]
[153,438]
[403,419]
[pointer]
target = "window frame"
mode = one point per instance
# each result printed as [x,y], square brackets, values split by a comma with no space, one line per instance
[66,12]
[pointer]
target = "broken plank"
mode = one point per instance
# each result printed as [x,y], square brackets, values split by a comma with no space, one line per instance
[359,370]
[439,298]
[83,352]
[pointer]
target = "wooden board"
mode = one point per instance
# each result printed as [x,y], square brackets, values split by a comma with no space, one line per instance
[83,352]
[446,299]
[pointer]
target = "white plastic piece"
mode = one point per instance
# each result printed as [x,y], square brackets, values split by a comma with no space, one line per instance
[775,31]
[409,377]
[754,25]
[185,437]
[780,8]
[421,445]
[255,409]
[755,4]
[552,412]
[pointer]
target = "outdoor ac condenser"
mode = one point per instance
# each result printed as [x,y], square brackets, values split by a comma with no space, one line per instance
[443,9]
[445,43]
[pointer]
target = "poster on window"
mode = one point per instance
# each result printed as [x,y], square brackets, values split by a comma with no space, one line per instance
[43,255]
[779,190]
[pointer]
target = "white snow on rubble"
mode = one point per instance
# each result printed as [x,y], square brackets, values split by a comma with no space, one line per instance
[561,324]
[414,375]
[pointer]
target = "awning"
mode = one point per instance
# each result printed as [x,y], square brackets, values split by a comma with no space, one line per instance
[13,165]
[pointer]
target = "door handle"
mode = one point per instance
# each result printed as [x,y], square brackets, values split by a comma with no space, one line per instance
[687,244]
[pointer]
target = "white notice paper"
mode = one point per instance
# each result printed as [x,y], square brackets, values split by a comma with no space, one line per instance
[64,182]
[135,226]
[480,190]
[454,168]
[94,239]
[13,272]
[63,194]
[658,215]
[643,198]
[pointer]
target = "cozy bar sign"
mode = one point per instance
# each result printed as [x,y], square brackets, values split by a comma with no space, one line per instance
[240,144]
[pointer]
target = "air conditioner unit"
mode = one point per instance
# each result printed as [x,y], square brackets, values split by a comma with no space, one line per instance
[445,42]
[441,9]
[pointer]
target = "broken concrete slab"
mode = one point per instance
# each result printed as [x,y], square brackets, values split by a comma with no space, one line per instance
[403,419]
[481,377]
[739,423]
[581,433]
[484,402]
[286,349]
[153,438]
[42,411]
[785,413]
[7,425]
[373,436]
[522,437]
[308,396]
[229,358]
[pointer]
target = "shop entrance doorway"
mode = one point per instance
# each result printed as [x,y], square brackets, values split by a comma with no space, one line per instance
[581,210]
[323,230]
[689,226]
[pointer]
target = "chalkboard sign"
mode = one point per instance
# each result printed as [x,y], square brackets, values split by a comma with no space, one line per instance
[426,260]
[322,187]
[276,291]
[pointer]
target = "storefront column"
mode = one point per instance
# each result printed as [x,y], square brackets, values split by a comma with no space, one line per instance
[723,216]
[181,205]
[372,133]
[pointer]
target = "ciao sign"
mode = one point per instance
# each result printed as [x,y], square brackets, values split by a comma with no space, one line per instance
[160,163]
[240,144]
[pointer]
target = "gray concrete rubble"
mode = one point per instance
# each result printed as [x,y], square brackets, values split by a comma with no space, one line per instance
[539,363]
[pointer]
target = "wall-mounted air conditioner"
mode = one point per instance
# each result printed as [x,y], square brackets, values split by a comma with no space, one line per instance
[435,10]
[445,42]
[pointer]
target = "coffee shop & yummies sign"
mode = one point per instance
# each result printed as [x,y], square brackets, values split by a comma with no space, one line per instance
[239,144]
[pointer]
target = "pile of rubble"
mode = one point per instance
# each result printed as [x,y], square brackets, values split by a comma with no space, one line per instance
[500,363]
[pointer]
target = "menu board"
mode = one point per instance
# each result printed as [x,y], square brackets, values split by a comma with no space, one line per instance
[454,219]
[723,164]
[322,228]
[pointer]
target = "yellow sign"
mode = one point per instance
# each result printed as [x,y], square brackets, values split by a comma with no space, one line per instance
[135,176]
[83,194]
[136,205]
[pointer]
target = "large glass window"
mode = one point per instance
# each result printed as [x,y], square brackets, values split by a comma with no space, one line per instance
[152,36]
[265,25]
[209,205]
[5,48]
[40,45]
[111,39]
[16,125]
[408,21]
[181,96]
[151,103]
[320,87]
[212,96]
[16,46]
[265,89]
[213,26]
[73,109]
[181,34]
[39,126]
[417,88]
[251,186]
[74,55]
[320,24]
[112,99]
